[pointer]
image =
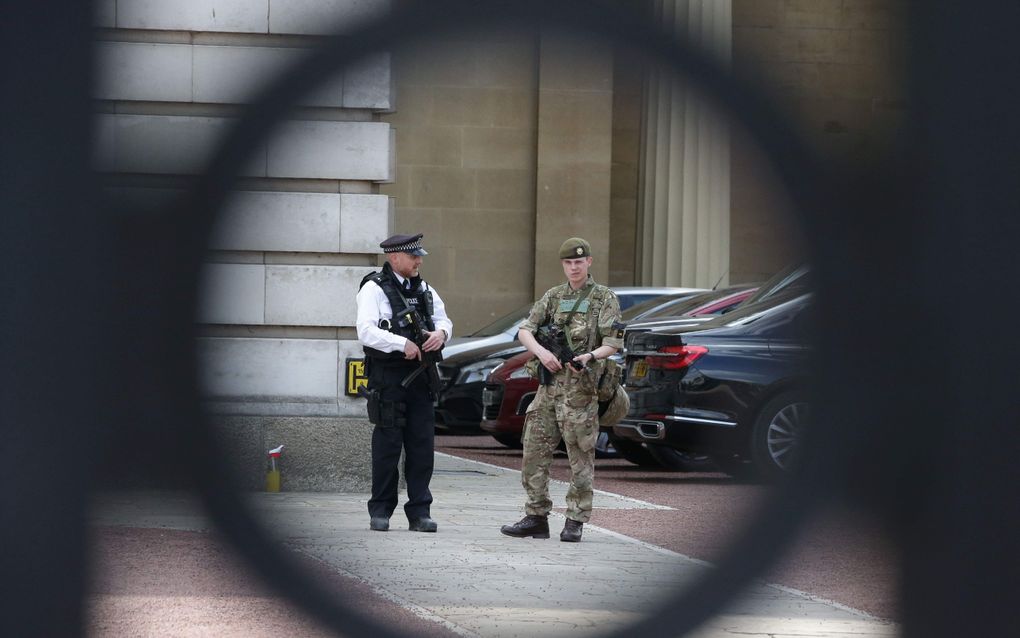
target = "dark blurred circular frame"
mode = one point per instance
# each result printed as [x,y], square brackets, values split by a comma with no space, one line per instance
[767,532]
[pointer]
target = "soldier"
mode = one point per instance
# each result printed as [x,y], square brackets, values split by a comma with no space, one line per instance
[567,405]
[403,416]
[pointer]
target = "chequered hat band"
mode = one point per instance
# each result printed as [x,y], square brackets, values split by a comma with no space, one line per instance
[401,248]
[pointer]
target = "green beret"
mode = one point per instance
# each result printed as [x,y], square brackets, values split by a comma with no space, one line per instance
[575,247]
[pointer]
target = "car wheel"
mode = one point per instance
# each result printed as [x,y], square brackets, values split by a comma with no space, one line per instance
[778,433]
[634,452]
[679,460]
[512,441]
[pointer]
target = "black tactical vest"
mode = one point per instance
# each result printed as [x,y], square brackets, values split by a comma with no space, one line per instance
[418,298]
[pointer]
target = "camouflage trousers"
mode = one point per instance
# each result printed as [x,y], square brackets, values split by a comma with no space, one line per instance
[568,410]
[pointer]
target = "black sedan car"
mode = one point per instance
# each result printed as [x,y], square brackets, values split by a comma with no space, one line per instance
[734,391]
[459,405]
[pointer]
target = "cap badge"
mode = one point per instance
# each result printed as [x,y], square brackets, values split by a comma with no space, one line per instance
[579,250]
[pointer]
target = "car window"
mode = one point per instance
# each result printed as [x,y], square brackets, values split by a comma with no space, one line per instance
[680,307]
[671,308]
[641,308]
[504,323]
[655,303]
[746,314]
[626,301]
[795,278]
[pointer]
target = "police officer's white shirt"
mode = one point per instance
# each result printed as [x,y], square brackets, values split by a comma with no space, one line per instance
[373,306]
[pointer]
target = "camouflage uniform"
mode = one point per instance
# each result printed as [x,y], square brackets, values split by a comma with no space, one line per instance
[568,407]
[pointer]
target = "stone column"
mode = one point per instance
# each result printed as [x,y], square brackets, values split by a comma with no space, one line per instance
[684,206]
[575,128]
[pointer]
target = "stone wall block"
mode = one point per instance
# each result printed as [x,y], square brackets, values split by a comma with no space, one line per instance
[428,145]
[439,64]
[239,16]
[507,189]
[137,71]
[312,295]
[441,187]
[577,128]
[755,48]
[330,150]
[512,108]
[499,148]
[873,14]
[574,192]
[368,83]
[815,45]
[163,144]
[812,13]
[322,17]
[508,64]
[757,13]
[576,63]
[504,267]
[269,370]
[364,222]
[233,294]
[322,455]
[233,74]
[288,222]
[500,229]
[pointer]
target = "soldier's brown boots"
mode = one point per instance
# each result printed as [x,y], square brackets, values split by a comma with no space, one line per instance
[530,525]
[571,531]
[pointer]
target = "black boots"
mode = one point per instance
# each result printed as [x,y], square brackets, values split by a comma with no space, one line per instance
[571,531]
[423,524]
[530,525]
[538,527]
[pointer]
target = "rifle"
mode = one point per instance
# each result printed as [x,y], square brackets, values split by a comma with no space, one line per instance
[553,339]
[413,319]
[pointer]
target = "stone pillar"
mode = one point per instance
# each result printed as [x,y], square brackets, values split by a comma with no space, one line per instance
[684,206]
[575,128]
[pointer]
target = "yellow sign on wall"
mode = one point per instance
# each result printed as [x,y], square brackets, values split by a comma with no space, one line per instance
[355,376]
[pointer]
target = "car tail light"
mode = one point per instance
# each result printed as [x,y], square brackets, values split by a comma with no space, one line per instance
[675,357]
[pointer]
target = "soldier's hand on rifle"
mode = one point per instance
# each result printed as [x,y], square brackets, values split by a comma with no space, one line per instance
[411,351]
[584,359]
[549,360]
[435,340]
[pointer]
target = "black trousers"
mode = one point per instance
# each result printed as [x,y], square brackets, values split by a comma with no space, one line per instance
[416,438]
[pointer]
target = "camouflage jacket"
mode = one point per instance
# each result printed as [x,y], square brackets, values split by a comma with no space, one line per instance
[595,323]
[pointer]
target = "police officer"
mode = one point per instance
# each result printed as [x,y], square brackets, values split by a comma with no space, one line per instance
[567,407]
[403,417]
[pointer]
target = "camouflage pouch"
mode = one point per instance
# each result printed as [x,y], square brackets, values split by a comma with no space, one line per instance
[608,380]
[532,367]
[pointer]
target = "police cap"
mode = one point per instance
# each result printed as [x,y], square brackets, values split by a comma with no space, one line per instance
[410,244]
[575,247]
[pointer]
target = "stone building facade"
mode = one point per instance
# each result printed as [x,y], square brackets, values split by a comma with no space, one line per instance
[496,145]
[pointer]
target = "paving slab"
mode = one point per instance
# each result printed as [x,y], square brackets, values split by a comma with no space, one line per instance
[480,583]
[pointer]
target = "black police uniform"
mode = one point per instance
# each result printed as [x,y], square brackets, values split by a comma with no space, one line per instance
[403,417]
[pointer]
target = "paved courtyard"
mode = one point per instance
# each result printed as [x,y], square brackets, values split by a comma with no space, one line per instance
[476,582]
